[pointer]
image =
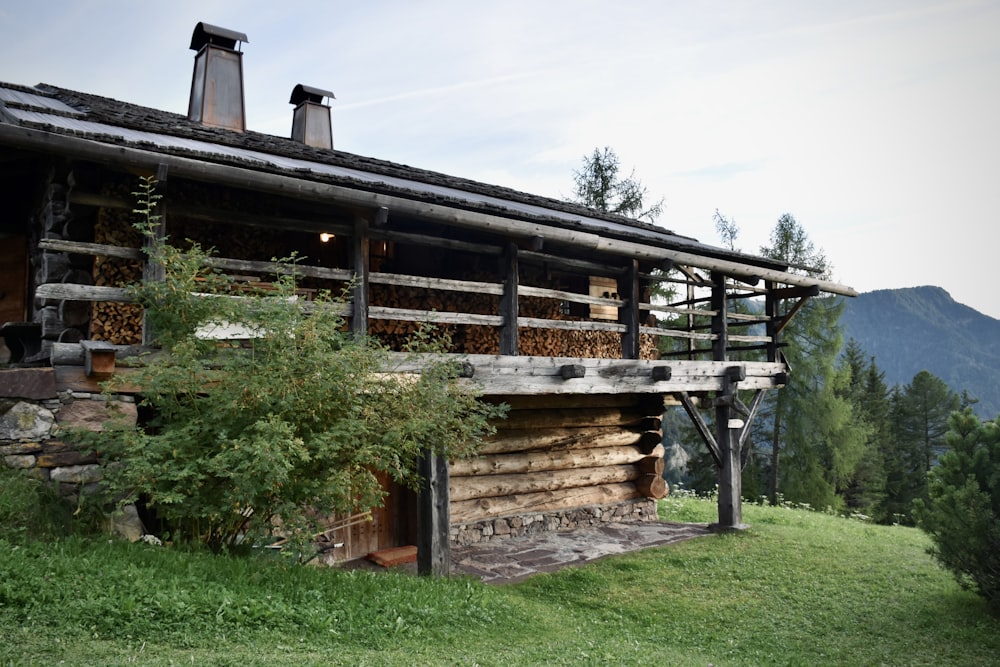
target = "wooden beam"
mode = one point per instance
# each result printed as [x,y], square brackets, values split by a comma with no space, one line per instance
[433,518]
[628,314]
[750,415]
[360,258]
[790,314]
[508,302]
[701,426]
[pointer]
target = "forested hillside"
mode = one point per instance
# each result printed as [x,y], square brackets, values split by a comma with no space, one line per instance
[923,328]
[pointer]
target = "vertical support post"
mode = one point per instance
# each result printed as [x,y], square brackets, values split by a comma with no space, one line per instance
[508,301]
[628,290]
[771,327]
[433,517]
[360,259]
[690,320]
[730,469]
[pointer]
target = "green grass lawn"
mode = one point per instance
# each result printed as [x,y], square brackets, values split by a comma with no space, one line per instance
[798,588]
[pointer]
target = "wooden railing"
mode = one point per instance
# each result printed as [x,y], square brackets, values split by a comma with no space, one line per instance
[694,319]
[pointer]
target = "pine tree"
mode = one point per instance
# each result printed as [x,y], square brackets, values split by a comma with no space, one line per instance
[816,438]
[962,511]
[919,416]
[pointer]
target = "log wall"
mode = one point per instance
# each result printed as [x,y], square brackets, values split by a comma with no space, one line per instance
[560,463]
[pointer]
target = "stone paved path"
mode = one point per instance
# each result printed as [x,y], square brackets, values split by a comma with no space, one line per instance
[510,560]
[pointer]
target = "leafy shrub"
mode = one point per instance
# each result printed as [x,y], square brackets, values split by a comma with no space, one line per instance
[283,429]
[30,508]
[962,514]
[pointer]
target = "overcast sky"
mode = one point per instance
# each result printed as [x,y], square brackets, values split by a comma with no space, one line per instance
[874,123]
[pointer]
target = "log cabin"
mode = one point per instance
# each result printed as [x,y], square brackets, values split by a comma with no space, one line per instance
[549,304]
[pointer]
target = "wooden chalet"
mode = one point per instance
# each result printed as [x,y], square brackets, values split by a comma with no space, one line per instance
[548,303]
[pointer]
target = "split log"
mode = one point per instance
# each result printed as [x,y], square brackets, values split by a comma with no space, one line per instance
[563,418]
[490,486]
[553,460]
[652,486]
[467,511]
[521,440]
[578,401]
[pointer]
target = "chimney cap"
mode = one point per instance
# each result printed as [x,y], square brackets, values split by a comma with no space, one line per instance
[205,33]
[303,93]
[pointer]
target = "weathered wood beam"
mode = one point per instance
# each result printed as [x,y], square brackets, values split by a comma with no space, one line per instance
[509,301]
[360,262]
[436,241]
[433,517]
[750,414]
[699,423]
[435,283]
[504,375]
[537,461]
[628,313]
[555,439]
[491,486]
[567,263]
[786,320]
[410,315]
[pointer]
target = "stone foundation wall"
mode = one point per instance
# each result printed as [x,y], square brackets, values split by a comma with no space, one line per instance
[643,509]
[30,437]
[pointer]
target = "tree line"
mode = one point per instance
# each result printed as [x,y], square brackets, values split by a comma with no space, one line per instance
[837,436]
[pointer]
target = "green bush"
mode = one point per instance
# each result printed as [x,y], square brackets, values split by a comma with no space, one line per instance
[291,425]
[30,508]
[962,514]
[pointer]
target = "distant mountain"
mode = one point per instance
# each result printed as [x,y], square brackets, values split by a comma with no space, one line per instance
[923,328]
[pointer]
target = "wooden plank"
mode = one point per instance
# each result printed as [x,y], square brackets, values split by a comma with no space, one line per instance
[528,439]
[435,283]
[74,378]
[409,315]
[272,268]
[30,383]
[94,249]
[569,325]
[570,296]
[74,292]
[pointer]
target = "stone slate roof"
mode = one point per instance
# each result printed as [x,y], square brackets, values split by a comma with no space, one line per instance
[419,183]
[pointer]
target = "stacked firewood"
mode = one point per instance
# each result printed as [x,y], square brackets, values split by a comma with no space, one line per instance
[119,323]
[480,339]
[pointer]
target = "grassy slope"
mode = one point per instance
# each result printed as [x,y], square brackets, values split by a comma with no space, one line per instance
[798,588]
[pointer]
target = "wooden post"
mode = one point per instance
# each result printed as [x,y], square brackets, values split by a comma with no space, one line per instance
[731,469]
[771,328]
[508,301]
[433,517]
[360,258]
[730,466]
[628,290]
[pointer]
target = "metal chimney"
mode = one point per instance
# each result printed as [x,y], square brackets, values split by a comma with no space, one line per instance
[217,83]
[311,118]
